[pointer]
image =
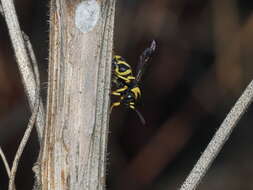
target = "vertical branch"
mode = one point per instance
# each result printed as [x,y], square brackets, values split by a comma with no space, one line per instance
[23,60]
[32,119]
[74,146]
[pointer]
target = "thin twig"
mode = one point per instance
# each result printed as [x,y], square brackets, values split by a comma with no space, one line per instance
[12,172]
[37,107]
[6,165]
[220,137]
[23,60]
[32,120]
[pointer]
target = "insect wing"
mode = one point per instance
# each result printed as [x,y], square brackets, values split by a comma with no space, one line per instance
[144,58]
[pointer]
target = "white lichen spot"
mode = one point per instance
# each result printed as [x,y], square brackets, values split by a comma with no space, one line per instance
[87,15]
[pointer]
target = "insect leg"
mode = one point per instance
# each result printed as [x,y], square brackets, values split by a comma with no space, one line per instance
[118,91]
[115,104]
[126,79]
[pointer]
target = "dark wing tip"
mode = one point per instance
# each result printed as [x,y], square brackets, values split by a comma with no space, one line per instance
[150,50]
[144,57]
[153,45]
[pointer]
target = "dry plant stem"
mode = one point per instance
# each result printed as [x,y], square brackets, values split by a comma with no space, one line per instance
[6,165]
[220,137]
[32,119]
[22,60]
[74,148]
[22,145]
[12,173]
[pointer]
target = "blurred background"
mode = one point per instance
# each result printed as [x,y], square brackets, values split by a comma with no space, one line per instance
[202,64]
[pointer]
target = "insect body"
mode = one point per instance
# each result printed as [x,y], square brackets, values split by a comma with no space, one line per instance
[125,84]
[121,69]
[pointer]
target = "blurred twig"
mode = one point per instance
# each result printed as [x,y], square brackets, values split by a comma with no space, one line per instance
[32,119]
[230,55]
[225,23]
[220,137]
[1,9]
[139,174]
[226,30]
[23,60]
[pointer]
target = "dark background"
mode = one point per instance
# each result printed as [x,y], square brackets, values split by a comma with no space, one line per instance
[202,64]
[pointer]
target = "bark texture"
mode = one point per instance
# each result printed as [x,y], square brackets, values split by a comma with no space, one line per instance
[74,146]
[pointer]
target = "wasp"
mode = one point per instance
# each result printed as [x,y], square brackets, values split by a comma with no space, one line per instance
[125,84]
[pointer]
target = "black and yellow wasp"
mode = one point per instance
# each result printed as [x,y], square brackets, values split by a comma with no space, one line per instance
[125,84]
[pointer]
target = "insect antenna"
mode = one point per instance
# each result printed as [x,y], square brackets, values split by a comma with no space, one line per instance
[140,116]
